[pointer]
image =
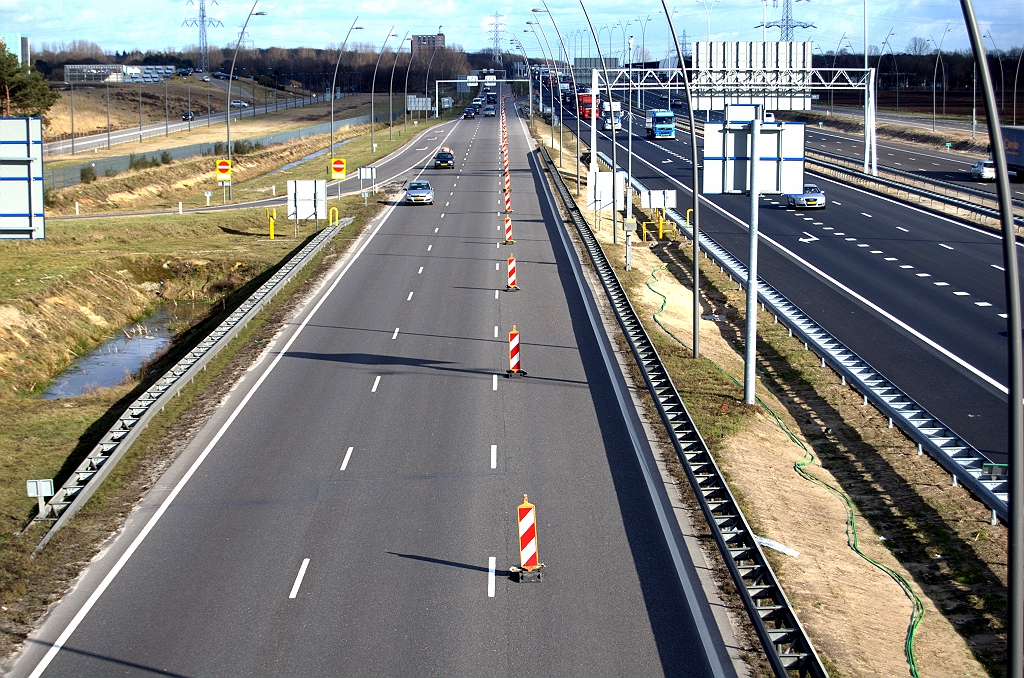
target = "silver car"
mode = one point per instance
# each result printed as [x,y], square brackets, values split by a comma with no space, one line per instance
[983,170]
[419,193]
[811,197]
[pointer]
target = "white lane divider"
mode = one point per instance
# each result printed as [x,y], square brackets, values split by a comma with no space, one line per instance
[409,298]
[420,272]
[962,294]
[494,383]
[376,382]
[982,303]
[495,294]
[430,247]
[902,229]
[492,563]
[447,203]
[941,284]
[348,455]
[495,331]
[298,578]
[865,214]
[945,245]
[395,335]
[436,229]
[442,215]
[496,264]
[494,455]
[998,268]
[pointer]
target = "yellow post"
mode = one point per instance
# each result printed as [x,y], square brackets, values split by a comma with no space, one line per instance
[332,217]
[688,212]
[271,217]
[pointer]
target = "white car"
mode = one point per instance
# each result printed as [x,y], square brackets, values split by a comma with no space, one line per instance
[811,197]
[237,103]
[983,170]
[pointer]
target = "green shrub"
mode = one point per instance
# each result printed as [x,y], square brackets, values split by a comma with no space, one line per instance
[166,158]
[87,174]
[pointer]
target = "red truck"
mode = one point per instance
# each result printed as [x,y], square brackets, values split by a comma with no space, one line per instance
[585,105]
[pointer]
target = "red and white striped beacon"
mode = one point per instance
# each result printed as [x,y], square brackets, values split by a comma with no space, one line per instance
[529,559]
[508,201]
[515,368]
[512,274]
[508,230]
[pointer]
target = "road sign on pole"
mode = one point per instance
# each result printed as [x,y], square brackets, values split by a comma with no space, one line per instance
[223,170]
[338,168]
[41,489]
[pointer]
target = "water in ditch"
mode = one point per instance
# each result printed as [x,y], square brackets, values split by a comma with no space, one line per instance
[121,356]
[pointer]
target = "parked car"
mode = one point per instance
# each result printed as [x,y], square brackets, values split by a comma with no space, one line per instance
[983,170]
[811,197]
[188,116]
[419,193]
[238,103]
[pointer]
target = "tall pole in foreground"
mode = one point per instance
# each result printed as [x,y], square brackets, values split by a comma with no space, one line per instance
[575,89]
[373,86]
[750,343]
[593,125]
[231,77]
[696,188]
[1015,561]
[334,80]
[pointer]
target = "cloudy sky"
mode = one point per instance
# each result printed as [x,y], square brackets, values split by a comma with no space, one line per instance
[318,23]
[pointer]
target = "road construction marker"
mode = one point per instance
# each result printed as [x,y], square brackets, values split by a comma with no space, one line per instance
[508,202]
[298,578]
[514,366]
[529,561]
[512,273]
[508,229]
[344,463]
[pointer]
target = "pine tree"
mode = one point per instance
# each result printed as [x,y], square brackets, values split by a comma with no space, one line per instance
[23,91]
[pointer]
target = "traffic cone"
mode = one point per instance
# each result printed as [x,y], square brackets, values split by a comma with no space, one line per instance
[529,560]
[512,274]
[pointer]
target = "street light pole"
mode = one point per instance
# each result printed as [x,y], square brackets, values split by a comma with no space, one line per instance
[708,8]
[696,196]
[373,87]
[557,86]
[405,107]
[426,79]
[575,89]
[935,71]
[334,80]
[231,77]
[1002,89]
[391,89]
[593,123]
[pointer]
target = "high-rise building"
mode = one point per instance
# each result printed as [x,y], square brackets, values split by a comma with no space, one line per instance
[18,45]
[426,43]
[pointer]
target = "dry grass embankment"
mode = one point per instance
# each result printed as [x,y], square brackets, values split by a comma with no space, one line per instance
[935,535]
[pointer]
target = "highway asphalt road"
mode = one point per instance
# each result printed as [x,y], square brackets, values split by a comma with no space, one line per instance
[358,488]
[918,296]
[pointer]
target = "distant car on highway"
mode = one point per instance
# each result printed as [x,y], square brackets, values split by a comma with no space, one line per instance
[419,193]
[469,113]
[811,197]
[238,103]
[188,116]
[488,111]
[206,78]
[444,158]
[983,170]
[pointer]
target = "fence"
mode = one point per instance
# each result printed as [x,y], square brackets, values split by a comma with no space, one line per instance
[62,177]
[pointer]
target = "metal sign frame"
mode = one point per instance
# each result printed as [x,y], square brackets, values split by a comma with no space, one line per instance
[22,215]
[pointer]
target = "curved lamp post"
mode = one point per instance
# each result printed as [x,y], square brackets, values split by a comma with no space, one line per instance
[575,89]
[426,79]
[895,65]
[405,116]
[231,77]
[557,86]
[334,80]
[391,88]
[935,71]
[373,85]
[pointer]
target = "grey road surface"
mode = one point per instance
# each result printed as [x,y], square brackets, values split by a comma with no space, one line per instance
[346,511]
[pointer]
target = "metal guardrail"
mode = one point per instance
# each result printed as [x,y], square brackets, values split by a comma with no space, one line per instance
[963,461]
[917,177]
[75,492]
[785,642]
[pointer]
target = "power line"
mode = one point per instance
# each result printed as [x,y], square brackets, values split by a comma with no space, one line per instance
[786,25]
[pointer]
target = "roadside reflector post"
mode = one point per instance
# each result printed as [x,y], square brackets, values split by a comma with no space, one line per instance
[515,368]
[271,217]
[529,569]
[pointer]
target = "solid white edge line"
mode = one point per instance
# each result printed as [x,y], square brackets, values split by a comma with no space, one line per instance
[625,405]
[376,383]
[494,453]
[344,463]
[130,551]
[492,563]
[494,383]
[298,578]
[875,307]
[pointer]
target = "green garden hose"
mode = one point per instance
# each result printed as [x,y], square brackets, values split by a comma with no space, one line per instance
[801,467]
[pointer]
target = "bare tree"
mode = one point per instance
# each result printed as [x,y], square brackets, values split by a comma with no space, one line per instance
[918,46]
